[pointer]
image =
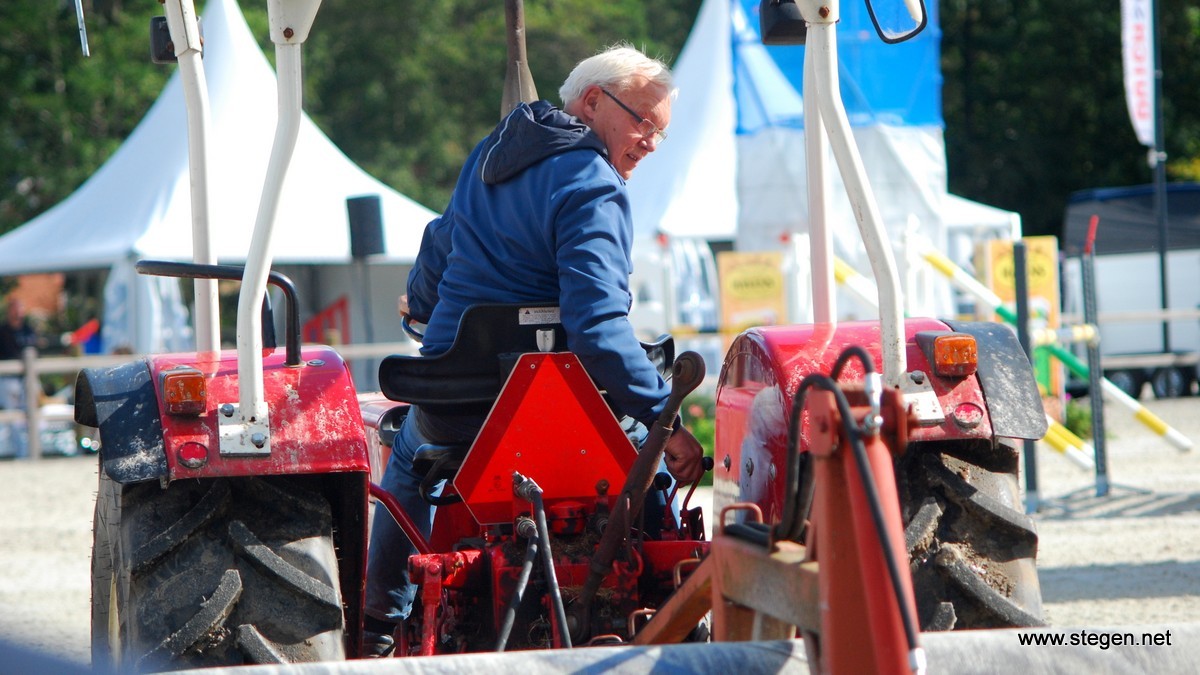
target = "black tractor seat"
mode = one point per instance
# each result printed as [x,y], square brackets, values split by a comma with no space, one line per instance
[468,377]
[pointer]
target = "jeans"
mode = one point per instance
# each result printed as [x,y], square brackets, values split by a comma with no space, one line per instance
[390,591]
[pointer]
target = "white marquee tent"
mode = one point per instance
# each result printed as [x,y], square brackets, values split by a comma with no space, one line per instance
[137,205]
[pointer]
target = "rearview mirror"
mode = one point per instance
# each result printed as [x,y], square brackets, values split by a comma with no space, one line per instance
[897,20]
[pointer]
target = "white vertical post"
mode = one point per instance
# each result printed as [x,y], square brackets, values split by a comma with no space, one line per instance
[816,151]
[822,46]
[247,429]
[185,34]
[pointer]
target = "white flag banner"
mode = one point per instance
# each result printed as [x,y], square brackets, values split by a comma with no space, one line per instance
[1137,50]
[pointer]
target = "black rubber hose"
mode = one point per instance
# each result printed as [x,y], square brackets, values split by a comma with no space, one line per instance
[798,500]
[529,490]
[560,613]
[791,522]
[798,483]
[514,603]
[868,480]
[853,350]
[804,496]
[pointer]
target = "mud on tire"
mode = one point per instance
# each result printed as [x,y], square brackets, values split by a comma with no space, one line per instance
[213,572]
[971,547]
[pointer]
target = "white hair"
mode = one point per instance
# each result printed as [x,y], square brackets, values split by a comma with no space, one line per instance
[613,68]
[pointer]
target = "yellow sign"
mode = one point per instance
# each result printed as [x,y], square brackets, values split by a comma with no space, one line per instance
[752,290]
[1041,269]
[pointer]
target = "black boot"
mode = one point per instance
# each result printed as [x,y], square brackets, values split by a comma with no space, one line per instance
[378,638]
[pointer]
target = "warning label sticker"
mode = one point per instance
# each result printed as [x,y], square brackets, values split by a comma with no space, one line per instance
[535,316]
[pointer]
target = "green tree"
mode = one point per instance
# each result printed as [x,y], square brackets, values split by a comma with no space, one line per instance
[1181,63]
[407,88]
[1033,95]
[1034,102]
[64,114]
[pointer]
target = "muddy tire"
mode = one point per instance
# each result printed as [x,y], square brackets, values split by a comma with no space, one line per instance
[213,572]
[971,547]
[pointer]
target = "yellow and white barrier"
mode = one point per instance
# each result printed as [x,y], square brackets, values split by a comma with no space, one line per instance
[862,288]
[1066,443]
[966,282]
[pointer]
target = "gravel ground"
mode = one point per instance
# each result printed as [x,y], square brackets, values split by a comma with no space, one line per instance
[1133,556]
[1129,558]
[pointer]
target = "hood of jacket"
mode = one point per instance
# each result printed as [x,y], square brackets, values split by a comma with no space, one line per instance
[532,132]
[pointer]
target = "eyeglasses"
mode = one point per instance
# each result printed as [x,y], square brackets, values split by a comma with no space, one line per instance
[644,126]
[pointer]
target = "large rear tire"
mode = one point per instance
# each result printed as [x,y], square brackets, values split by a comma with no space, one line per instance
[971,547]
[213,572]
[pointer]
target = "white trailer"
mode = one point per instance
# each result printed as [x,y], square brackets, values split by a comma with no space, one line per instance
[1140,341]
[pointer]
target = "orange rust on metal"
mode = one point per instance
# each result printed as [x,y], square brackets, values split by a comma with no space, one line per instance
[753,593]
[781,584]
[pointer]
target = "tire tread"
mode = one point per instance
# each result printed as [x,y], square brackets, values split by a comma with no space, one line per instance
[197,587]
[971,552]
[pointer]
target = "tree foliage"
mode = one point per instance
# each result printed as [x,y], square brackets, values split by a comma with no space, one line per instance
[64,114]
[404,88]
[407,88]
[1034,102]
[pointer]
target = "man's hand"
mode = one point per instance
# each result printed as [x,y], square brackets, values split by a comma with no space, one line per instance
[684,456]
[402,305]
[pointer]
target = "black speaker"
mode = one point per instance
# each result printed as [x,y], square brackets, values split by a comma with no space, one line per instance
[366,226]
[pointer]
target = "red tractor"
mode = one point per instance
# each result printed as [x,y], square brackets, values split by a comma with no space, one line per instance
[231,519]
[204,556]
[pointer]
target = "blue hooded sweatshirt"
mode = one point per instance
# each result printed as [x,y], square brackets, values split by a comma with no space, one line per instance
[539,215]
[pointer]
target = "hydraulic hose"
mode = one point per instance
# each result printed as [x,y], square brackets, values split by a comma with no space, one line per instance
[794,517]
[798,479]
[527,529]
[560,613]
[852,351]
[529,490]
[798,472]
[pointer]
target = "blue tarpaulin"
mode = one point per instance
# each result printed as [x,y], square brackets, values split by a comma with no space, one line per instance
[899,85]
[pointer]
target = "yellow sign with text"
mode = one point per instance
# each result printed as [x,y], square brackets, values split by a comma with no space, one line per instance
[1041,273]
[752,289]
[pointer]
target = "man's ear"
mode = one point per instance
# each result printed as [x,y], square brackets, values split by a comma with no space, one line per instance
[588,103]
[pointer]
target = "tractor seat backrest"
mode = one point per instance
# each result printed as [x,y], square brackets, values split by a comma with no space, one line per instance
[468,377]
